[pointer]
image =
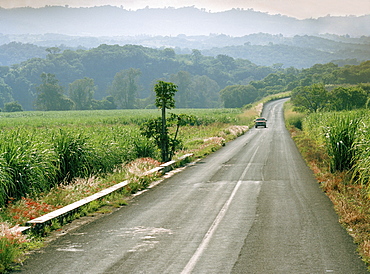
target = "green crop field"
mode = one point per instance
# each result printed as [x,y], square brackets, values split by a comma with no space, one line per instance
[108,117]
[41,149]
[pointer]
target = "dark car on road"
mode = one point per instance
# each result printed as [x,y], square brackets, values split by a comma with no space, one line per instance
[260,122]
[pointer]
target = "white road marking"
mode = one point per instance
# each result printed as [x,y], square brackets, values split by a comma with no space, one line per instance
[198,253]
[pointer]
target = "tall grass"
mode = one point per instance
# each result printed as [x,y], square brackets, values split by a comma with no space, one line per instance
[25,165]
[33,161]
[293,118]
[341,136]
[346,137]
[39,150]
[361,169]
[339,132]
[73,155]
[108,117]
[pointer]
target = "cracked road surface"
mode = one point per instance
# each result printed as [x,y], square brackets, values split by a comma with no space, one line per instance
[251,207]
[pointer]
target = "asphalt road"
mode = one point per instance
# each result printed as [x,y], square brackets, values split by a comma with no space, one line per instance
[251,207]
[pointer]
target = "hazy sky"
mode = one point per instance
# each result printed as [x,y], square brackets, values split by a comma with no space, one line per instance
[296,8]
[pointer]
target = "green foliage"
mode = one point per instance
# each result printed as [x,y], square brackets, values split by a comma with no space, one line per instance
[81,92]
[340,132]
[5,92]
[341,135]
[12,107]
[53,50]
[354,74]
[310,99]
[50,95]
[345,136]
[292,118]
[32,161]
[348,98]
[195,91]
[165,95]
[237,96]
[208,74]
[25,165]
[361,169]
[73,156]
[199,77]
[327,74]
[15,53]
[152,129]
[106,103]
[183,80]
[165,99]
[42,149]
[124,88]
[317,98]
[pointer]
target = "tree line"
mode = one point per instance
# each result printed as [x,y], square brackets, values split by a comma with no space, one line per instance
[109,77]
[199,77]
[292,79]
[318,98]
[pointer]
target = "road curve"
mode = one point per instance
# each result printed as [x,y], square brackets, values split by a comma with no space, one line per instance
[251,207]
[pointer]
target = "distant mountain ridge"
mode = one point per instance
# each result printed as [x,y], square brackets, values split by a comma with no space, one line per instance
[115,21]
[260,48]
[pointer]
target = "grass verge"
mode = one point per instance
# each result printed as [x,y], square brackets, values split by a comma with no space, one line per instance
[350,200]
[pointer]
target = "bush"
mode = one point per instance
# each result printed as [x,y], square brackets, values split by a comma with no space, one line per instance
[12,107]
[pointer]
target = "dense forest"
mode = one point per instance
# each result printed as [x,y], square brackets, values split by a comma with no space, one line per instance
[104,77]
[198,76]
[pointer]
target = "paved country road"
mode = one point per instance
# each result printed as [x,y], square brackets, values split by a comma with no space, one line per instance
[251,207]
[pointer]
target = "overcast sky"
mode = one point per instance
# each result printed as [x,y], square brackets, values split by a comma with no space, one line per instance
[296,8]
